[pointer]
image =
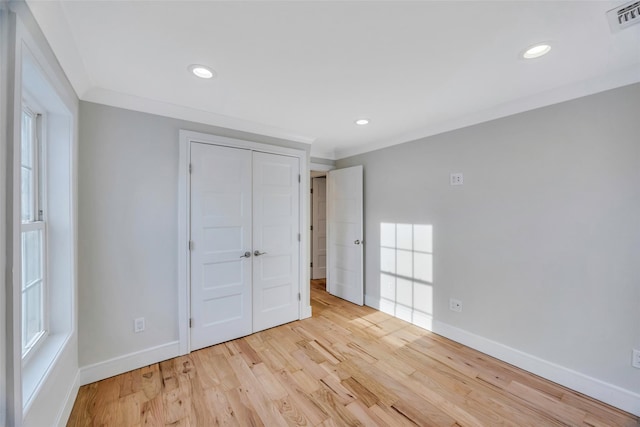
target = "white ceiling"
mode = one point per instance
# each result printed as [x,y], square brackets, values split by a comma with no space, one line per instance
[305,70]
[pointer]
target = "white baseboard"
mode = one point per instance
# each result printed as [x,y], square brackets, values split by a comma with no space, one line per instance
[128,362]
[65,411]
[372,302]
[626,400]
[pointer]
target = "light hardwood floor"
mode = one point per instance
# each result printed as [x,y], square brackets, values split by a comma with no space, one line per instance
[348,365]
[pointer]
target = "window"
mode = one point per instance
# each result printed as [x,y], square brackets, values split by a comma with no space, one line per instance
[33,230]
[45,265]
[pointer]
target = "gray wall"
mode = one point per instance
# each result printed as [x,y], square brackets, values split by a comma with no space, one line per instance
[128,226]
[542,242]
[4,276]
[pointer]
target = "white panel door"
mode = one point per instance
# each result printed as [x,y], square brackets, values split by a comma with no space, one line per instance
[221,211]
[319,260]
[276,219]
[345,236]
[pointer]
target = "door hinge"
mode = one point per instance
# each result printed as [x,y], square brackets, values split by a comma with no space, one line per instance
[190,168]
[299,297]
[312,228]
[311,265]
[190,245]
[191,322]
[299,178]
[299,237]
[312,191]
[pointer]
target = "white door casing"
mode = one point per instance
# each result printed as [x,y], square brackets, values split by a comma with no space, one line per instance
[319,235]
[276,240]
[345,234]
[221,215]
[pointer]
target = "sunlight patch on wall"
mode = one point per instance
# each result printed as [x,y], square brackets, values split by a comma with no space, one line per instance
[406,272]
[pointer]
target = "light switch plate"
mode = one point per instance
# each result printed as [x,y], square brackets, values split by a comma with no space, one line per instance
[456,178]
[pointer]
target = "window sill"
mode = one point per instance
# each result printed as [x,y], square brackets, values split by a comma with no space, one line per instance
[37,368]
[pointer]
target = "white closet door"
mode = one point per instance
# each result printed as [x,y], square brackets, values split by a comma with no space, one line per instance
[221,213]
[276,219]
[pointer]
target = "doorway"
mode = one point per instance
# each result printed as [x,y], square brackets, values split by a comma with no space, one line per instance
[242,209]
[245,216]
[336,234]
[318,212]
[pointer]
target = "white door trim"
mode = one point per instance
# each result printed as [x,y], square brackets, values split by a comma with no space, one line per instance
[184,214]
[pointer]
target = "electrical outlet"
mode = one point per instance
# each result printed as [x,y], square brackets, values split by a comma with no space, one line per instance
[635,360]
[456,179]
[138,324]
[455,305]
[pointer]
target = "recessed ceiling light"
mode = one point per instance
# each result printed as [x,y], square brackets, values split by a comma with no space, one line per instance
[362,122]
[536,51]
[202,71]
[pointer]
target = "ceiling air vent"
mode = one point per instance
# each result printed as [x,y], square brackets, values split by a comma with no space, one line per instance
[623,16]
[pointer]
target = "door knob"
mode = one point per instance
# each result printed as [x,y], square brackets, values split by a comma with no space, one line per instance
[246,255]
[258,253]
[357,242]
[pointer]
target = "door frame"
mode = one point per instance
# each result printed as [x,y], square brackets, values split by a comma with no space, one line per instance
[187,137]
[312,241]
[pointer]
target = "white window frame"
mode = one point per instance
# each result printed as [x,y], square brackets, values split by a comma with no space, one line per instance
[40,391]
[38,222]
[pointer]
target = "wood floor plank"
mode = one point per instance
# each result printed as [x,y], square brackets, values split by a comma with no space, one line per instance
[390,416]
[243,413]
[408,402]
[419,417]
[151,382]
[247,352]
[254,395]
[362,413]
[537,399]
[219,410]
[302,399]
[346,366]
[361,392]
[327,400]
[597,414]
[152,413]
[285,355]
[309,365]
[305,381]
[81,414]
[371,383]
[342,394]
[269,384]
[291,412]
[480,396]
[176,392]
[130,382]
[129,410]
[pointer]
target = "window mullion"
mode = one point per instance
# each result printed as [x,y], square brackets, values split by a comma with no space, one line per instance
[36,168]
